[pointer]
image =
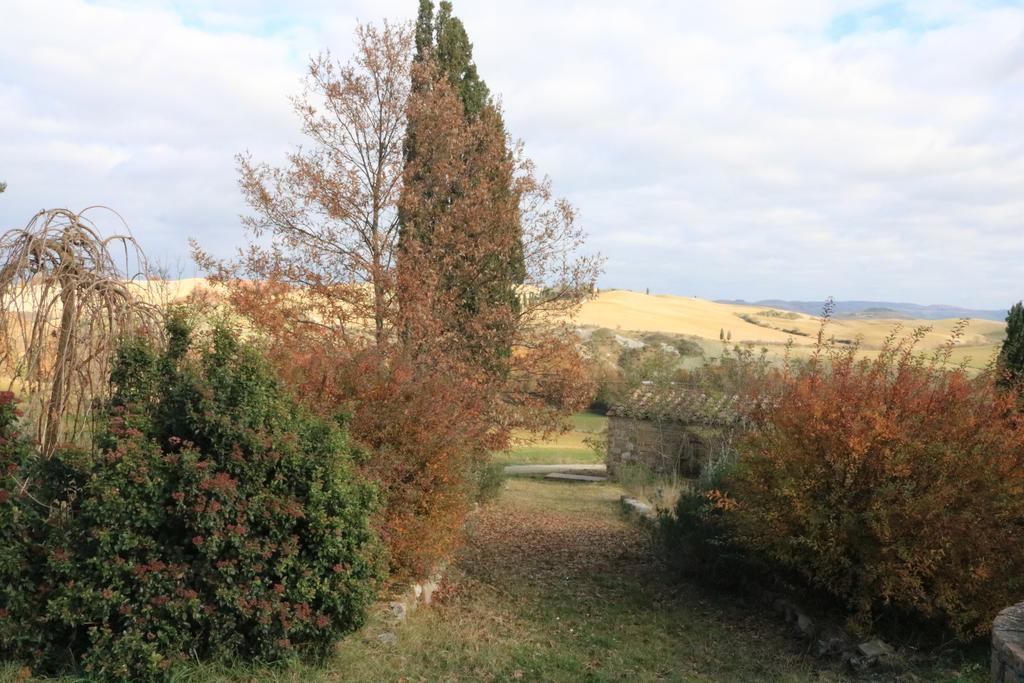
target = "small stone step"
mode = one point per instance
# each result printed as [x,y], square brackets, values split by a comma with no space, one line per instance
[636,508]
[565,476]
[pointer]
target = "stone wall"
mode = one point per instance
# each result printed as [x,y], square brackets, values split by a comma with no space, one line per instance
[666,448]
[1008,645]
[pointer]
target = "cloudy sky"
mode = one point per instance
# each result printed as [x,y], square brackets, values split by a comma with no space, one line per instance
[727,149]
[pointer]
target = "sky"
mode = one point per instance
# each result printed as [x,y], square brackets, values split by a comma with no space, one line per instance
[748,149]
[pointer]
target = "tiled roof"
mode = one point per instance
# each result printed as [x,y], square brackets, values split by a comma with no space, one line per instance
[678,404]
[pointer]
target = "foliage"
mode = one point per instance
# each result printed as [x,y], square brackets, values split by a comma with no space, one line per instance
[1011,355]
[460,176]
[65,300]
[774,313]
[216,521]
[617,371]
[652,364]
[602,351]
[696,542]
[746,317]
[490,478]
[425,432]
[683,345]
[738,370]
[461,227]
[434,363]
[451,48]
[895,484]
[331,212]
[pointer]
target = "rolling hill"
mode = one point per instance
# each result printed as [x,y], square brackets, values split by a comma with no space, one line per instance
[877,309]
[626,311]
[633,312]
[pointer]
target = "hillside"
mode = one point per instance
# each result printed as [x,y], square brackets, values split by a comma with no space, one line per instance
[637,312]
[878,309]
[627,311]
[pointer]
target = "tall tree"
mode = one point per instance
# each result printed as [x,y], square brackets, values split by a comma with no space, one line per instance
[1011,355]
[331,210]
[454,54]
[424,31]
[494,278]
[432,403]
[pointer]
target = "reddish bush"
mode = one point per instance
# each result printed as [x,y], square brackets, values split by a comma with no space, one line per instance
[427,430]
[894,484]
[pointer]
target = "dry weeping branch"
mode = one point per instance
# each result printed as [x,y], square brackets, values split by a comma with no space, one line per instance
[67,296]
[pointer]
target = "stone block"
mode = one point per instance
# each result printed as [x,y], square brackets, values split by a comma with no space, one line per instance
[429,587]
[805,626]
[636,508]
[398,611]
[1008,645]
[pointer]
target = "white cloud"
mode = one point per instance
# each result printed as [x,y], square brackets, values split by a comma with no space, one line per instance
[743,148]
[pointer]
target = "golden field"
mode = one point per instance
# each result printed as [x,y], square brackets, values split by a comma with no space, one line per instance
[625,312]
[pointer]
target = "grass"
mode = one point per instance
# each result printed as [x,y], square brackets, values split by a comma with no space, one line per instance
[547,455]
[660,491]
[553,585]
[588,423]
[570,447]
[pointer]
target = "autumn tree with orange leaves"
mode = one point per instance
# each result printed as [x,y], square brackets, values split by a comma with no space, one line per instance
[331,211]
[423,345]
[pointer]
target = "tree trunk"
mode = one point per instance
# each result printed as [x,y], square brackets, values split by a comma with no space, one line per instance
[55,407]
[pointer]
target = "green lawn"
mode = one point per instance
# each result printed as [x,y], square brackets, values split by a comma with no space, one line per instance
[547,455]
[588,423]
[569,447]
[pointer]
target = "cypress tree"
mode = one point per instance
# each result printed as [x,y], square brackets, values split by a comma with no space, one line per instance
[424,30]
[455,58]
[1011,355]
[442,38]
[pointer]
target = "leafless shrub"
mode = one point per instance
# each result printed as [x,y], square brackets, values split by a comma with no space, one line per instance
[67,295]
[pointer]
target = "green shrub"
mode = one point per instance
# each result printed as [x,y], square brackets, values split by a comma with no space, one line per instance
[490,479]
[695,542]
[216,520]
[695,539]
[685,346]
[654,364]
[773,313]
[746,317]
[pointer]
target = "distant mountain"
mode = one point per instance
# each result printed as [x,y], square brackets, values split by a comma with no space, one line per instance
[878,313]
[876,309]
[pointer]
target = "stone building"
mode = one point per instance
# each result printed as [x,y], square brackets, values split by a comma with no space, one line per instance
[671,431]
